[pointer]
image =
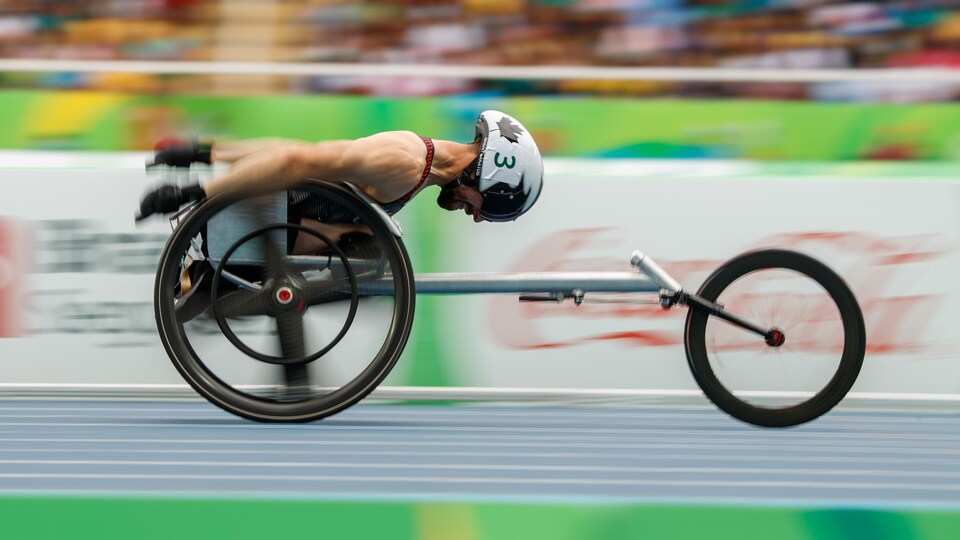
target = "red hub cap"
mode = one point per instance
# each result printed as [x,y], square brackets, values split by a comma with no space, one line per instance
[284,295]
[775,338]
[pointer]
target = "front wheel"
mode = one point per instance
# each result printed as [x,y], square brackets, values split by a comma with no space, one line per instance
[811,355]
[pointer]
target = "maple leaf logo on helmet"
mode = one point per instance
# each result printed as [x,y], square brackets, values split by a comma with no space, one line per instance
[509,130]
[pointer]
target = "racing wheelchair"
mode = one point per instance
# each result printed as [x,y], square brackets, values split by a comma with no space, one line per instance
[277,321]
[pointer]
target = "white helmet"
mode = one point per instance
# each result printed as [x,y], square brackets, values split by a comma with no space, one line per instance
[509,171]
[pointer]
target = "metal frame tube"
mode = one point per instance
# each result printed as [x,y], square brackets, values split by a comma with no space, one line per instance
[566,283]
[561,284]
[649,267]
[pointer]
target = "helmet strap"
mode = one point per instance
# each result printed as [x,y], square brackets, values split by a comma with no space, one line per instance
[463,179]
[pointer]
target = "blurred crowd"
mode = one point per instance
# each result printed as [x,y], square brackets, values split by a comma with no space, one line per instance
[785,34]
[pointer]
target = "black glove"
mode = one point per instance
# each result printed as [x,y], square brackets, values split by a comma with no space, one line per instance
[177,153]
[168,199]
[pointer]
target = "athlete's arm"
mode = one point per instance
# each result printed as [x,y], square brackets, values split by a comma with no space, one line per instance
[279,167]
[385,164]
[231,151]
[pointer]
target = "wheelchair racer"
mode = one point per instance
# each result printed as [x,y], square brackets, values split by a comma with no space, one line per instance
[496,177]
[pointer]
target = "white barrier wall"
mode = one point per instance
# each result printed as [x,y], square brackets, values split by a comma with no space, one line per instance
[76,275]
[895,242]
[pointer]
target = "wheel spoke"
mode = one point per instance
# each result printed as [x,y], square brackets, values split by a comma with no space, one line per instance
[189,307]
[296,379]
[290,330]
[296,376]
[276,266]
[324,291]
[242,303]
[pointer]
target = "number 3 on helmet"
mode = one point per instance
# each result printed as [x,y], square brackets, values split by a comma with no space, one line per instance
[509,172]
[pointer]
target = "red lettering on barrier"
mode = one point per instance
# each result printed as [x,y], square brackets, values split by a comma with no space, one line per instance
[875,268]
[11,279]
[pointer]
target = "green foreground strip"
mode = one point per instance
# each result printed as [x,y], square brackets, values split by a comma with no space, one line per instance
[45,517]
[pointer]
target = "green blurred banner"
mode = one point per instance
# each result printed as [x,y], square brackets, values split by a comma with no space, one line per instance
[103,518]
[565,126]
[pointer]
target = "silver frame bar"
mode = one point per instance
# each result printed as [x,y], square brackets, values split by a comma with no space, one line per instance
[566,283]
[556,284]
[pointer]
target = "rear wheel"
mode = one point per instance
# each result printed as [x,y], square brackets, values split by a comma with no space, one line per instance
[275,336]
[812,352]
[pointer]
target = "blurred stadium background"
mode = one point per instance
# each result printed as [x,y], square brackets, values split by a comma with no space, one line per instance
[652,115]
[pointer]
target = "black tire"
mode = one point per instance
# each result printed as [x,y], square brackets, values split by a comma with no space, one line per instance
[278,402]
[840,367]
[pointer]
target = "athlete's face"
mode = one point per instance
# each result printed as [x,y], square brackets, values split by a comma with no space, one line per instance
[463,198]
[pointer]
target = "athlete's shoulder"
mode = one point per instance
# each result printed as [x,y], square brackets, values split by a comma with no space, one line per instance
[390,138]
[388,143]
[399,153]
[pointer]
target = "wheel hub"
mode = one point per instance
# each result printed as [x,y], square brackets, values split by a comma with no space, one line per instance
[284,295]
[775,338]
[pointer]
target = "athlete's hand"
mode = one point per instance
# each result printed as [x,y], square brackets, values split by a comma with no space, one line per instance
[178,153]
[167,199]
